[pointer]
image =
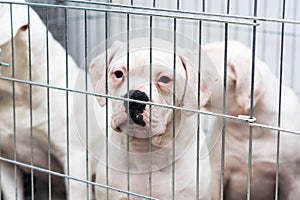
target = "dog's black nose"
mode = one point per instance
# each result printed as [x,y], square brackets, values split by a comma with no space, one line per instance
[136,109]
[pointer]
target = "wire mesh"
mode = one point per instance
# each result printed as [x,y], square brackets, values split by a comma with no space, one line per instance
[55,98]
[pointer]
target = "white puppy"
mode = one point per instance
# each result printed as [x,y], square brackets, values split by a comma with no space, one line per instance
[132,123]
[266,95]
[30,116]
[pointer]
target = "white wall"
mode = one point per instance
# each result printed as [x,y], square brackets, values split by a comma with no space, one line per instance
[268,33]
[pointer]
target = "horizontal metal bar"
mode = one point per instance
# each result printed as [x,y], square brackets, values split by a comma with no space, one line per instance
[275,128]
[74,178]
[143,13]
[242,118]
[268,19]
[239,17]
[248,118]
[143,8]
[4,64]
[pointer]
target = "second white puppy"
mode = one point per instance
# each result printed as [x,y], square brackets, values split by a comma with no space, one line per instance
[266,95]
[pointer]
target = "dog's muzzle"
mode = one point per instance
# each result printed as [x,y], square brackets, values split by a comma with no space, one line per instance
[136,109]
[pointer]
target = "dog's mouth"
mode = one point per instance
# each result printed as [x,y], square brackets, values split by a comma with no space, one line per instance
[138,124]
[139,119]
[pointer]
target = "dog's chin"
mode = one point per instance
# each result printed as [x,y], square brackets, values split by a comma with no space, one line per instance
[137,131]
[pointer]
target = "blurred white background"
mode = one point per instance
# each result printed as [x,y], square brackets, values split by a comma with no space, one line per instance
[268,34]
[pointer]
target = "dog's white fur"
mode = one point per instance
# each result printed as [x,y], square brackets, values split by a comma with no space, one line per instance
[162,120]
[266,95]
[57,100]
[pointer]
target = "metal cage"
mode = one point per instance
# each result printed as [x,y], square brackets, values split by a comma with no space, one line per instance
[48,111]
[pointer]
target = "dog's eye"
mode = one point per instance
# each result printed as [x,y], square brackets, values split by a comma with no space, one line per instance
[164,79]
[119,74]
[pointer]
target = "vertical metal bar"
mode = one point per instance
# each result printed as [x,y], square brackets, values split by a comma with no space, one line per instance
[1,194]
[30,103]
[174,115]
[0,149]
[224,120]
[280,95]
[128,133]
[251,105]
[86,103]
[174,103]
[67,103]
[107,29]
[106,100]
[150,106]
[48,103]
[14,98]
[198,98]
[128,115]
[224,107]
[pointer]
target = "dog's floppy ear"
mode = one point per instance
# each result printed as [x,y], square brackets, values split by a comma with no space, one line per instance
[20,21]
[239,70]
[209,79]
[191,82]
[98,70]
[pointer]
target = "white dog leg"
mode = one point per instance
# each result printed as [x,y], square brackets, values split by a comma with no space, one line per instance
[9,183]
[77,169]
